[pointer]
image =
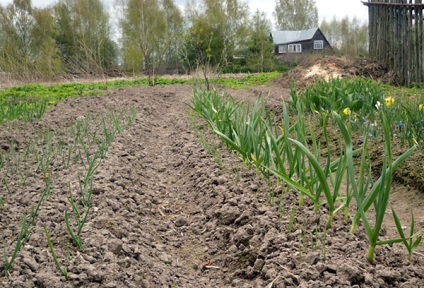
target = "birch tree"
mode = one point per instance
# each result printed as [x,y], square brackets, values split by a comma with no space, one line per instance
[296,14]
[27,47]
[84,37]
[218,28]
[48,63]
[17,21]
[170,40]
[347,36]
[142,23]
[151,31]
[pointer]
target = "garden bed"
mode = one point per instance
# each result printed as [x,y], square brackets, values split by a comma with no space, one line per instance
[166,210]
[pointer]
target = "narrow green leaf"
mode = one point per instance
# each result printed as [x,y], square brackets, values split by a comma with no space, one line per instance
[319,171]
[295,185]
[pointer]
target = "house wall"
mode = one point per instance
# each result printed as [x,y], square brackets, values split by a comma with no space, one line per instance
[308,46]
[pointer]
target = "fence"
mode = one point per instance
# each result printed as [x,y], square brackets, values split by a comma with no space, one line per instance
[396,37]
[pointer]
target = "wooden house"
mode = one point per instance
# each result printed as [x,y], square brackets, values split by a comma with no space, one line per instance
[294,44]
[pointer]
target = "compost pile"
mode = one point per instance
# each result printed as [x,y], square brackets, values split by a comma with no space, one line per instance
[307,72]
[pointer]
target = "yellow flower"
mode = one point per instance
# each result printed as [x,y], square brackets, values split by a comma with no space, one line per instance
[347,111]
[389,101]
[421,107]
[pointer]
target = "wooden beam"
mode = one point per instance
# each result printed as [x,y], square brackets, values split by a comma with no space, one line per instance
[412,5]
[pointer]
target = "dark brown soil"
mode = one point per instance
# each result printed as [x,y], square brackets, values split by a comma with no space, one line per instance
[168,213]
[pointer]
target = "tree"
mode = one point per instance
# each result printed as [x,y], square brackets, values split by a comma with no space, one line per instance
[203,48]
[204,44]
[296,14]
[218,30]
[84,36]
[48,62]
[65,37]
[141,27]
[347,36]
[27,46]
[236,27]
[171,37]
[260,54]
[151,31]
[17,22]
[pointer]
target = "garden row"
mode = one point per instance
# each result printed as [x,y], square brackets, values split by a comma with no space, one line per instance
[80,149]
[300,160]
[79,145]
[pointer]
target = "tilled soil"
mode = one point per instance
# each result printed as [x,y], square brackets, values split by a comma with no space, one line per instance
[168,213]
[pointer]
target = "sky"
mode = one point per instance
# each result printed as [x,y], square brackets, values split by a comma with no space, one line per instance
[327,9]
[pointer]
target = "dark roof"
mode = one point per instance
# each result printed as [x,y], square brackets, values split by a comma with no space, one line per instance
[290,36]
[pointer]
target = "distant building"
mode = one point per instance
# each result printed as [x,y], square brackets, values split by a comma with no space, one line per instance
[294,44]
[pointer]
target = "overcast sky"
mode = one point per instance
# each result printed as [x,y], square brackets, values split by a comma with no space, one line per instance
[327,9]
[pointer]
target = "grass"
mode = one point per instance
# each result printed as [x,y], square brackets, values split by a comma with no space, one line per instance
[29,102]
[251,80]
[62,91]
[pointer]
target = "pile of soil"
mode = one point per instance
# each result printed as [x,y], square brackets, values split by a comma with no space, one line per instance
[168,213]
[307,72]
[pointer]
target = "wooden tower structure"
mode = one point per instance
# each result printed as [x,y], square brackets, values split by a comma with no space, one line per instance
[396,37]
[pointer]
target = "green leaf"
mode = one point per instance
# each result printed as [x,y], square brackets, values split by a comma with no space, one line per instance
[399,228]
[295,185]
[320,173]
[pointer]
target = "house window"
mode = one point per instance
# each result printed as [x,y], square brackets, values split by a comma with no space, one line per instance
[295,48]
[318,44]
[282,49]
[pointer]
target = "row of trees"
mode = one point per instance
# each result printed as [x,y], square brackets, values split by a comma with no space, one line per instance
[71,37]
[348,36]
[75,36]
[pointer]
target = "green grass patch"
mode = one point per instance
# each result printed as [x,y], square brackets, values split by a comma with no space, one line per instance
[248,81]
[61,91]
[29,102]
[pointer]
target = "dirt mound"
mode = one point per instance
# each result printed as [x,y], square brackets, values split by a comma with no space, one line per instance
[306,73]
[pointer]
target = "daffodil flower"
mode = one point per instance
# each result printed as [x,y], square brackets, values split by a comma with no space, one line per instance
[347,111]
[421,107]
[389,101]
